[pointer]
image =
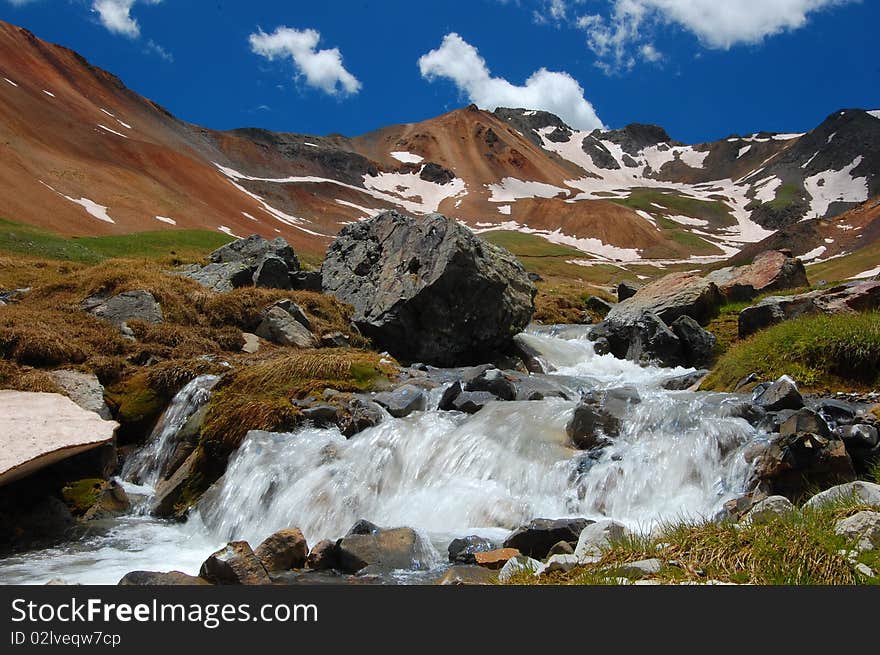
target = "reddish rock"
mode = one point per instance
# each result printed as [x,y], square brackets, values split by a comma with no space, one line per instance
[283,551]
[673,296]
[324,556]
[772,270]
[234,564]
[496,559]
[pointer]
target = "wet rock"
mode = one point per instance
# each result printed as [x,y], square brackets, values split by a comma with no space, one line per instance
[496,559]
[84,389]
[412,283]
[540,535]
[645,340]
[626,290]
[283,551]
[324,556]
[866,493]
[858,436]
[598,416]
[169,491]
[462,551]
[362,527]
[281,327]
[358,415]
[862,528]
[403,401]
[234,564]
[40,429]
[836,412]
[494,382]
[112,501]
[768,510]
[321,415]
[471,402]
[782,394]
[156,579]
[686,381]
[772,270]
[272,273]
[791,465]
[467,575]
[27,523]
[516,565]
[530,356]
[598,537]
[388,550]
[127,306]
[805,420]
[697,344]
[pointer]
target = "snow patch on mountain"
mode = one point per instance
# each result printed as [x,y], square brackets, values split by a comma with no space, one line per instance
[511,189]
[165,219]
[835,186]
[407,157]
[93,208]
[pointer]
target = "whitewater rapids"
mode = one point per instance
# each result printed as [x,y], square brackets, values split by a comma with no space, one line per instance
[447,475]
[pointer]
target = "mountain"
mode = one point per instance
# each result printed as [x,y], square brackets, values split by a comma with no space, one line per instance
[82,154]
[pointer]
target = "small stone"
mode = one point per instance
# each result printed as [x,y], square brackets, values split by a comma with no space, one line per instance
[495,559]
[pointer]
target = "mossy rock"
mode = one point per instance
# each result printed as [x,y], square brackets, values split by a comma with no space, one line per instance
[135,401]
[82,494]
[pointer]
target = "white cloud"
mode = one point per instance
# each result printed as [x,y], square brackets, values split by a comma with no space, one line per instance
[116,16]
[627,27]
[321,69]
[558,93]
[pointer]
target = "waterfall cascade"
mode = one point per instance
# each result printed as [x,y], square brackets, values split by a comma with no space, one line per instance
[447,475]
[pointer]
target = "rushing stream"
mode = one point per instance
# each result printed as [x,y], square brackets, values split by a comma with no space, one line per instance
[444,474]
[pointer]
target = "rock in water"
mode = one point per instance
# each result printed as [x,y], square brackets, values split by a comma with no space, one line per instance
[387,550]
[283,551]
[427,289]
[538,537]
[234,564]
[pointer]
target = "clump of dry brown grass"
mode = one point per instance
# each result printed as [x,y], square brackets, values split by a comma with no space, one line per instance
[258,396]
[562,301]
[24,378]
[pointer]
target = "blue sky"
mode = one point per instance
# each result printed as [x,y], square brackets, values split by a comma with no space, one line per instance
[701,68]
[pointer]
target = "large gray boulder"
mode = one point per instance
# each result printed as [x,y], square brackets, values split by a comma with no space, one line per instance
[84,389]
[673,296]
[427,289]
[253,250]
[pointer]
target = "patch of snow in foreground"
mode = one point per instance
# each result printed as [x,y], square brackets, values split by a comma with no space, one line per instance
[165,219]
[107,129]
[407,157]
[867,275]
[10,81]
[93,208]
[226,230]
[835,186]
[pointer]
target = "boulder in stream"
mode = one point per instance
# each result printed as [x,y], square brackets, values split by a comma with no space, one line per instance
[234,564]
[283,551]
[539,536]
[387,550]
